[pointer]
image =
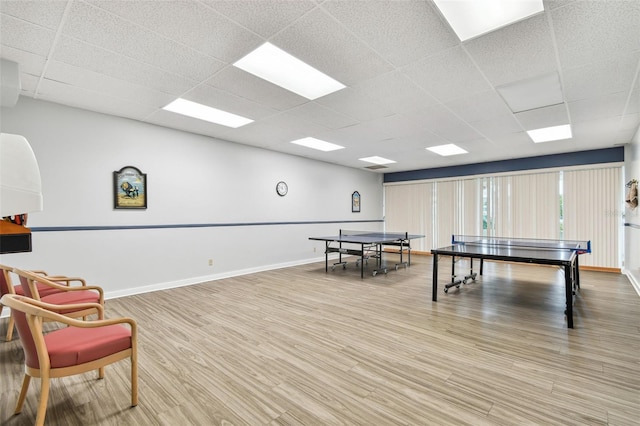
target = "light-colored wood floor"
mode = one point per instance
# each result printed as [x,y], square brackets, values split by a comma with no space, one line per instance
[300,346]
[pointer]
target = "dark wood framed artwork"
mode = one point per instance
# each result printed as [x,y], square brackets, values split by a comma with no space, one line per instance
[129,188]
[355,202]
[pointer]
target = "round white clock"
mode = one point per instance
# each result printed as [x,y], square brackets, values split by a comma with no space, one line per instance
[282,188]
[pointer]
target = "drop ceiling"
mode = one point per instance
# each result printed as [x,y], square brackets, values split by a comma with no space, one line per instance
[410,83]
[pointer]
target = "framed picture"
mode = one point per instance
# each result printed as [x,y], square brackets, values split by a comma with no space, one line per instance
[355,202]
[129,188]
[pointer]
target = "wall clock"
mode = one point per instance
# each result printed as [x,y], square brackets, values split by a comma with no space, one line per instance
[282,188]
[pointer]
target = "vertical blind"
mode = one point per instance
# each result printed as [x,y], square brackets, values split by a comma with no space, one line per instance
[409,208]
[592,207]
[520,205]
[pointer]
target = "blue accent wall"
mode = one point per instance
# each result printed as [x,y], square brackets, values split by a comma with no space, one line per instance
[598,156]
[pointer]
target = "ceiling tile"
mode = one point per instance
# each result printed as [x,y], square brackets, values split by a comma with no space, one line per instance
[400,31]
[448,75]
[498,126]
[517,52]
[323,43]
[79,54]
[46,14]
[479,107]
[216,98]
[319,114]
[275,129]
[24,36]
[397,91]
[607,106]
[81,98]
[554,115]
[264,17]
[165,118]
[168,18]
[598,131]
[110,32]
[584,30]
[108,86]
[242,83]
[615,74]
[445,124]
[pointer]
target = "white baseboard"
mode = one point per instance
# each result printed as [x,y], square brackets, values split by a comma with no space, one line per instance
[634,282]
[191,281]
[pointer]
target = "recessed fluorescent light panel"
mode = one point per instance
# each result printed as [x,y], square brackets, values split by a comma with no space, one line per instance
[278,67]
[548,134]
[206,113]
[471,18]
[317,144]
[448,149]
[377,160]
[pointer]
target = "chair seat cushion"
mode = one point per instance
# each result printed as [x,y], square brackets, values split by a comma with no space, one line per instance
[70,297]
[73,345]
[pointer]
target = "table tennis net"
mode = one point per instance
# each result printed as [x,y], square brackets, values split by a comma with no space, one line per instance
[374,234]
[529,243]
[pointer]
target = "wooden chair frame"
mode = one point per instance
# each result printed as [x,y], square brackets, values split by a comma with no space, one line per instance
[5,271]
[37,312]
[31,279]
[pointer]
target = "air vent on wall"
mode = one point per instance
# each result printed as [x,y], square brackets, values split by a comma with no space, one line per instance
[376,167]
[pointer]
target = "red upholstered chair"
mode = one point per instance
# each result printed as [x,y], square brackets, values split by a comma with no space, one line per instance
[63,295]
[80,347]
[7,287]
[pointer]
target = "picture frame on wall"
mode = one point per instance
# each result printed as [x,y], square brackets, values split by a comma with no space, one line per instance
[355,202]
[129,188]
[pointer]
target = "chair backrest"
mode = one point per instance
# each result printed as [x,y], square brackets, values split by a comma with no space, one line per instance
[6,287]
[27,278]
[29,325]
[24,282]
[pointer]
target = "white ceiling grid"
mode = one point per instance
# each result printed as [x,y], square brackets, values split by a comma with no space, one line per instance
[410,82]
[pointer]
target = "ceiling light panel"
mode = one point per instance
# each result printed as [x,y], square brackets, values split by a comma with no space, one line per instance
[447,150]
[317,144]
[548,134]
[280,68]
[472,18]
[206,113]
[377,160]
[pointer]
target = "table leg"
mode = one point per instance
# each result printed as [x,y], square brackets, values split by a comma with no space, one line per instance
[326,256]
[434,296]
[577,276]
[568,284]
[362,261]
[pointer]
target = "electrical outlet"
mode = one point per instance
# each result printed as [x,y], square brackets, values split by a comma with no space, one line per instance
[210,262]
[314,249]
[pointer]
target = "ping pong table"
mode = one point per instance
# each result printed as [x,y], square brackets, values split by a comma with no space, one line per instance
[366,245]
[562,253]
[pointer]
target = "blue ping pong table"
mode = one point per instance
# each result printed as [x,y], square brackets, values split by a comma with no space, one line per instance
[562,253]
[366,245]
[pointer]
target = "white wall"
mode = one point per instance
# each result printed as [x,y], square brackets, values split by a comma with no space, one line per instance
[192,179]
[632,217]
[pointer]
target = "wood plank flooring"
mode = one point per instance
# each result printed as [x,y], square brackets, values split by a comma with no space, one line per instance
[298,346]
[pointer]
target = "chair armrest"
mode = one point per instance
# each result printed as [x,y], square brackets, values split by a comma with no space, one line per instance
[54,284]
[67,280]
[89,323]
[52,312]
